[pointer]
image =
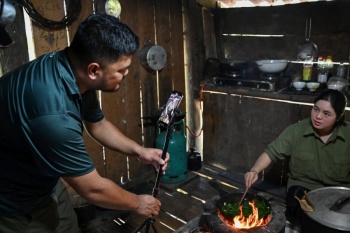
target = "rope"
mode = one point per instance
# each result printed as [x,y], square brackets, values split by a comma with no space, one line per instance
[73,11]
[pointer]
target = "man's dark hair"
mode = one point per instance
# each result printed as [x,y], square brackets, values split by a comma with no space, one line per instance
[103,38]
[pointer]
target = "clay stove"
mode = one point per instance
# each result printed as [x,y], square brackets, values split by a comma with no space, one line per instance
[210,221]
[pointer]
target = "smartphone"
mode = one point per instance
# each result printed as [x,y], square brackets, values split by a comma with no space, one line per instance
[168,111]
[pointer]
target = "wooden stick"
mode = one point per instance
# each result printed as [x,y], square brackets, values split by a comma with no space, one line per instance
[245,192]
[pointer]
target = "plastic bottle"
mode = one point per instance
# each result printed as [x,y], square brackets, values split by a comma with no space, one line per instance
[329,66]
[341,71]
[307,68]
[322,72]
[329,62]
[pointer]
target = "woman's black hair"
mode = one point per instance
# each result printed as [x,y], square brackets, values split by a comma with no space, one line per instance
[338,102]
[103,38]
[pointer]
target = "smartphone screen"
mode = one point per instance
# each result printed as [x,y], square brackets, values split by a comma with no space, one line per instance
[168,111]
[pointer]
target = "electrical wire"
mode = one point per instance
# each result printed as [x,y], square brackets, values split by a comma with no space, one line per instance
[192,133]
[73,11]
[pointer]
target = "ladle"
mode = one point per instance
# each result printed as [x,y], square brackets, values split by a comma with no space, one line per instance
[305,204]
[308,47]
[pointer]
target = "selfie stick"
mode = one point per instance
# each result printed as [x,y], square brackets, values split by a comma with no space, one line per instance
[170,128]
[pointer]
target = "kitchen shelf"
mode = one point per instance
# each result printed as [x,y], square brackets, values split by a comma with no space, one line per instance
[315,62]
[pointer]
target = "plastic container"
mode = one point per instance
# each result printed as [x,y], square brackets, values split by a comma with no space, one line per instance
[341,70]
[336,83]
[322,71]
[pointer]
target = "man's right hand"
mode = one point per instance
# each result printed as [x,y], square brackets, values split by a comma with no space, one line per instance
[149,206]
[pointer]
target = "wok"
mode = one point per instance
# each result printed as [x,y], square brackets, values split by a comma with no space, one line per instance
[231,198]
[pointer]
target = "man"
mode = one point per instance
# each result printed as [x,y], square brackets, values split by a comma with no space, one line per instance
[44,106]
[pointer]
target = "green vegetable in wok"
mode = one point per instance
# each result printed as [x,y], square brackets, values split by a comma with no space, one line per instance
[229,210]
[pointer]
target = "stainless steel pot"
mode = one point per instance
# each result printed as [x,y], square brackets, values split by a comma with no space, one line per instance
[332,211]
[152,57]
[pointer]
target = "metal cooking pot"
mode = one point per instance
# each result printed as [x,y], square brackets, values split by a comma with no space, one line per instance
[332,211]
[152,57]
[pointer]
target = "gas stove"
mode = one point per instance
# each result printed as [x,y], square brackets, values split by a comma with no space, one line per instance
[261,82]
[210,221]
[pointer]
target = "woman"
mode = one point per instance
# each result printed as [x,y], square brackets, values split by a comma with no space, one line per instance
[318,147]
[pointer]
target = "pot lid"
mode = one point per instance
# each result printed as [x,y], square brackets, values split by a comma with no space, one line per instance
[332,207]
[156,57]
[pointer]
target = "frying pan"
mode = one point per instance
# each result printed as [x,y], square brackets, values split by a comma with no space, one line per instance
[231,198]
[308,47]
[212,65]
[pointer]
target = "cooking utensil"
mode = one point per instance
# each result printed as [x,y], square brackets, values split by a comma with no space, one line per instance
[307,48]
[271,66]
[340,203]
[152,57]
[212,65]
[245,192]
[305,203]
[216,224]
[233,68]
[231,198]
[332,210]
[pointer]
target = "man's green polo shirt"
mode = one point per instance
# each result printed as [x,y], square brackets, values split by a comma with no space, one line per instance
[314,164]
[41,112]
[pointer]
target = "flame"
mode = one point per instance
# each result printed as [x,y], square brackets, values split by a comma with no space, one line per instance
[251,221]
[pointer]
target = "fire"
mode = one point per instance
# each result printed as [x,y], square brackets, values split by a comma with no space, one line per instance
[251,221]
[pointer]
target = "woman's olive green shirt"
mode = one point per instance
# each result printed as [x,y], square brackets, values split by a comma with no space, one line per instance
[313,163]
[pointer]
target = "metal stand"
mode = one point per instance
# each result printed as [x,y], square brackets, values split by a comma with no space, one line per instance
[149,222]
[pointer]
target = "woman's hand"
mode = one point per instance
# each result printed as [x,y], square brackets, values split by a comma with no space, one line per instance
[250,178]
[261,164]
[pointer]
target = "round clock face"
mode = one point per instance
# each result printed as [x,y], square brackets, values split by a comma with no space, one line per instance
[113,7]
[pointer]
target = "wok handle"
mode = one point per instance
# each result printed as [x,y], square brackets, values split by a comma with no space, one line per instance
[340,203]
[217,187]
